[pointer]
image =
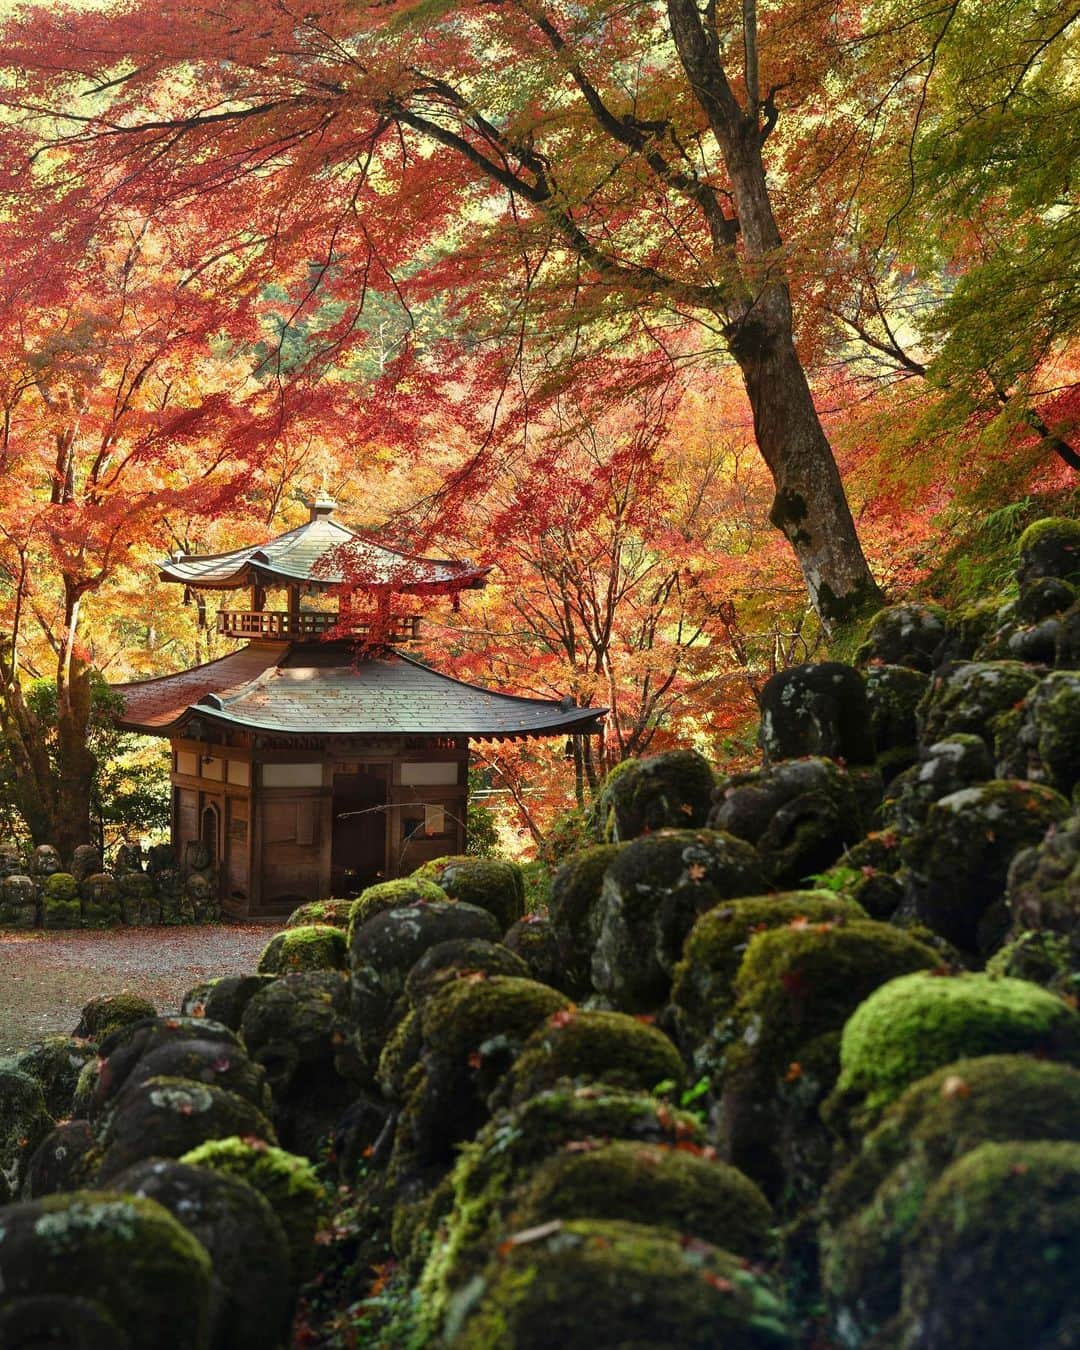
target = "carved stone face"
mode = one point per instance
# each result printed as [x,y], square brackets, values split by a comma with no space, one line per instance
[45,861]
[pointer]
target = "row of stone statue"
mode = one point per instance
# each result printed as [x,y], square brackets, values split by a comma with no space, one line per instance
[151,887]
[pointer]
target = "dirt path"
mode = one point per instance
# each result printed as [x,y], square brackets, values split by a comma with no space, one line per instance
[46,978]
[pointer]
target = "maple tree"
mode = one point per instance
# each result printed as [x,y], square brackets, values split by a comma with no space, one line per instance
[602,169]
[106,393]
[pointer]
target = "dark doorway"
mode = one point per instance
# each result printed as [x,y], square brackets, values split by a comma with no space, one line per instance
[358,850]
[209,833]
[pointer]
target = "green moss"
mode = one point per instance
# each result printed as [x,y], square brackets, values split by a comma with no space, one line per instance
[286,1181]
[508,1147]
[872,1207]
[125,1254]
[915,1024]
[24,1123]
[390,895]
[703,993]
[967,698]
[311,947]
[60,907]
[670,790]
[992,1263]
[653,892]
[333,912]
[109,1013]
[1044,958]
[601,1047]
[56,1063]
[492,884]
[794,990]
[676,1188]
[645,1287]
[166,1116]
[494,1012]
[963,852]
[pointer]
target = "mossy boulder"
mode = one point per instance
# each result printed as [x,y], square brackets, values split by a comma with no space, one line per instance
[1067,641]
[60,906]
[948,765]
[503,1156]
[56,1063]
[1041,740]
[532,938]
[676,1187]
[959,860]
[1043,887]
[138,898]
[992,1263]
[167,1117]
[816,709]
[652,893]
[20,901]
[123,1049]
[250,1304]
[200,1061]
[1049,548]
[1044,958]
[386,895]
[919,1022]
[703,993]
[289,1184]
[800,815]
[468,1032]
[872,1206]
[969,695]
[223,1000]
[493,884]
[311,947]
[598,1047]
[1044,597]
[100,899]
[63,1161]
[383,950]
[576,887]
[124,1258]
[794,991]
[868,874]
[588,1283]
[337,913]
[109,1013]
[458,958]
[893,693]
[904,635]
[667,791]
[295,1028]
[24,1123]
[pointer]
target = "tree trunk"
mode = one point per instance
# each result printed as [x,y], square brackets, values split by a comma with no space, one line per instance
[75,762]
[810,506]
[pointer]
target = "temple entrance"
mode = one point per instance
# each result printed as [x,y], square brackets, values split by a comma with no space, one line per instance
[361,814]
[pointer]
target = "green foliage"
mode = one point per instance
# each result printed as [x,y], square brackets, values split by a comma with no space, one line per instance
[130,787]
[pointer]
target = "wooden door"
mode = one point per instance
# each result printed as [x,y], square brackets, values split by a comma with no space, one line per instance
[361,811]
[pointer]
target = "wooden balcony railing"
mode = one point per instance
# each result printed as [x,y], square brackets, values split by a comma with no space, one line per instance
[266,623]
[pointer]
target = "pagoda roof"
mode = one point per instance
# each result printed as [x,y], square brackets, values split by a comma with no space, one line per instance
[305,689]
[323,553]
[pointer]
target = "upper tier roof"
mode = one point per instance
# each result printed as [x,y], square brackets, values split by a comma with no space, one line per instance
[323,553]
[323,689]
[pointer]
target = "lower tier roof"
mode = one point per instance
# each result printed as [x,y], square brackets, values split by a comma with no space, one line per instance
[307,689]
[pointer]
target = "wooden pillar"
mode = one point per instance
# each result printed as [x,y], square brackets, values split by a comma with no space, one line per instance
[294,610]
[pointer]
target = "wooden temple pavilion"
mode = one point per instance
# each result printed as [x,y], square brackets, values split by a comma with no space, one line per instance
[309,765]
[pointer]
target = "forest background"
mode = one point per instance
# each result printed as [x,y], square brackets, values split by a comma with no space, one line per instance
[708,325]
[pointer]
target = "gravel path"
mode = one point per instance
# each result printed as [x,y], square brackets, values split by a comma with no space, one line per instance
[46,978]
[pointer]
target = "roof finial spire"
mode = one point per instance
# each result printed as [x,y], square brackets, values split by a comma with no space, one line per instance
[323,505]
